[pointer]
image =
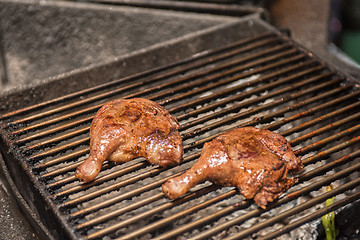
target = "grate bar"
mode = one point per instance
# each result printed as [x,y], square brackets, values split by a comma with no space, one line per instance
[324,141]
[246,94]
[331,165]
[205,77]
[299,208]
[202,119]
[72,105]
[236,77]
[57,119]
[97,181]
[329,126]
[114,200]
[153,171]
[232,208]
[239,96]
[319,107]
[59,160]
[202,221]
[101,191]
[152,89]
[236,70]
[299,105]
[169,83]
[207,59]
[326,167]
[323,118]
[162,208]
[178,215]
[89,118]
[45,153]
[60,149]
[313,216]
[117,212]
[337,148]
[58,139]
[286,198]
[224,66]
[274,103]
[236,107]
[35,136]
[192,145]
[196,143]
[271,115]
[82,152]
[243,75]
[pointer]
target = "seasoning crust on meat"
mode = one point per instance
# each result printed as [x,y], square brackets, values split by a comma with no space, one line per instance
[253,160]
[125,129]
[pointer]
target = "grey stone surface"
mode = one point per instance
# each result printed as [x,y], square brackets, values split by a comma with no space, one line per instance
[13,225]
[41,39]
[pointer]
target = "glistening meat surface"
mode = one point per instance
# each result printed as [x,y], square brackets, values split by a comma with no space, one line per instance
[253,160]
[125,129]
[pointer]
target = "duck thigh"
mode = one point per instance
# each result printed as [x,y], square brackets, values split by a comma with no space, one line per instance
[125,129]
[253,160]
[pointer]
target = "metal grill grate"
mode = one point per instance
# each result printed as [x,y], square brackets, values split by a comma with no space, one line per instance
[265,81]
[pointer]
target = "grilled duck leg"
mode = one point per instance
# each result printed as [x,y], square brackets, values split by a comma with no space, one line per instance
[253,160]
[125,129]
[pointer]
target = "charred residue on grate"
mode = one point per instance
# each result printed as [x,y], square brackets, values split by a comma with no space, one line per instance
[265,81]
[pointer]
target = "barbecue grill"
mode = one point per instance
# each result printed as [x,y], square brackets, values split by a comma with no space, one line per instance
[258,77]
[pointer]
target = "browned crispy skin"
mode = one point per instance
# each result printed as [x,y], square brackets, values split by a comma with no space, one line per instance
[253,160]
[125,129]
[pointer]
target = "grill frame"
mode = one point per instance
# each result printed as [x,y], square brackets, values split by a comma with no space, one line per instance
[13,154]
